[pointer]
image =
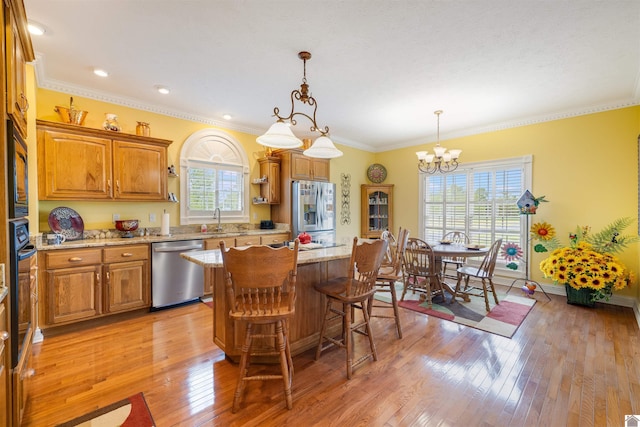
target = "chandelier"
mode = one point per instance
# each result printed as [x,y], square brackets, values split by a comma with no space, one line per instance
[442,161]
[280,135]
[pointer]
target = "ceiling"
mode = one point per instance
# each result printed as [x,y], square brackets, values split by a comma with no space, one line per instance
[379,68]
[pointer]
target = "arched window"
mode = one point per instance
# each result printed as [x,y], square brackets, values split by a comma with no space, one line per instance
[214,171]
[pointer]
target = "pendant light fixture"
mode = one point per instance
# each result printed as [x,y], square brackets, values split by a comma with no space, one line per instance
[280,135]
[442,161]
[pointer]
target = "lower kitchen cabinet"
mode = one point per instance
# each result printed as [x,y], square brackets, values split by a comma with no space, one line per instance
[82,284]
[5,367]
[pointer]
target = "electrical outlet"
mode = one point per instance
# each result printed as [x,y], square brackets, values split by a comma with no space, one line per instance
[2,281]
[152,217]
[116,217]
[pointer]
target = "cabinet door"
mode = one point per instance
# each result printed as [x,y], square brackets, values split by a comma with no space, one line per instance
[140,171]
[4,364]
[17,104]
[320,169]
[377,210]
[270,190]
[72,294]
[127,286]
[89,158]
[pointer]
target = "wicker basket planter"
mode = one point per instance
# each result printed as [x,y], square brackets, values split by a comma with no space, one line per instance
[579,296]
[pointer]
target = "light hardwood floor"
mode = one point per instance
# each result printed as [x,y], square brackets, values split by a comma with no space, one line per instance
[566,365]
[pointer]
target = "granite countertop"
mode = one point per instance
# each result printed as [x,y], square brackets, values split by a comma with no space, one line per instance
[213,257]
[89,243]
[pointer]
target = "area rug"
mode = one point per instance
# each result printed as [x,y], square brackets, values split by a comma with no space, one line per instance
[503,319]
[130,412]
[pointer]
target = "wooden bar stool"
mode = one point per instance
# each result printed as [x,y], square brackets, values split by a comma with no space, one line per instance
[349,293]
[388,275]
[260,284]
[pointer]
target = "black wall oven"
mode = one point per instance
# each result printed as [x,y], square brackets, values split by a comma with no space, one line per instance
[21,253]
[18,180]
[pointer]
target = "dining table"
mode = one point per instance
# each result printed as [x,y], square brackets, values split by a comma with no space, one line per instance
[447,250]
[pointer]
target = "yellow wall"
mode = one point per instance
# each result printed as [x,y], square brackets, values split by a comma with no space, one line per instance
[587,167]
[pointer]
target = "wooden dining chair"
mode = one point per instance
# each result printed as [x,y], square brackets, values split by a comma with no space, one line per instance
[456,238]
[421,272]
[483,273]
[388,275]
[260,284]
[345,294]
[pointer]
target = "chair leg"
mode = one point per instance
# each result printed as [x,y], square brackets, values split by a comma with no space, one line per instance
[394,302]
[323,329]
[369,334]
[244,361]
[281,345]
[285,328]
[348,339]
[486,296]
[493,290]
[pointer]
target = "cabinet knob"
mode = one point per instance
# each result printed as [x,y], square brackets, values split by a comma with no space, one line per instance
[4,335]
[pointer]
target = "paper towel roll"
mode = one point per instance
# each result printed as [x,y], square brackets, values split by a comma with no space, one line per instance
[164,227]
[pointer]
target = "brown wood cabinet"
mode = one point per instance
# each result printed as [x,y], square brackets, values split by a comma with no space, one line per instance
[376,209]
[296,166]
[126,273]
[82,284]
[76,163]
[5,365]
[19,51]
[269,180]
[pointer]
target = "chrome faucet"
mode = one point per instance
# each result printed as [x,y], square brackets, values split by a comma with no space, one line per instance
[217,215]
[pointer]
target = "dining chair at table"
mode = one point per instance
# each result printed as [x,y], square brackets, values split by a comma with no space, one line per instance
[483,273]
[388,275]
[260,284]
[456,238]
[421,273]
[345,294]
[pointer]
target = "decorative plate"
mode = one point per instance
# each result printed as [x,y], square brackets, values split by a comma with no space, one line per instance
[376,173]
[67,222]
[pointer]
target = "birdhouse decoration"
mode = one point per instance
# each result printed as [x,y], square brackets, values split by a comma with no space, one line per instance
[528,204]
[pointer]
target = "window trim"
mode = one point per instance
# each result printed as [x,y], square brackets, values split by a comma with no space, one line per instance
[526,163]
[197,141]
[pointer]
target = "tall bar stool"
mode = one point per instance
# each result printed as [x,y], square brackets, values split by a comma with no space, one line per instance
[260,284]
[388,275]
[350,293]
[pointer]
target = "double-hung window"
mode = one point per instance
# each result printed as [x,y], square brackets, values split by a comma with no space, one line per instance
[214,175]
[479,199]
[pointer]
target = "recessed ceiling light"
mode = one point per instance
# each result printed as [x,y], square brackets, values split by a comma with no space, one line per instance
[101,73]
[163,89]
[226,116]
[35,29]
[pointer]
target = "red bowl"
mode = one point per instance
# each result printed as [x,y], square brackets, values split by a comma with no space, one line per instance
[127,224]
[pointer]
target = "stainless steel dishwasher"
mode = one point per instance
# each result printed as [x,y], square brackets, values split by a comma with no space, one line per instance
[174,280]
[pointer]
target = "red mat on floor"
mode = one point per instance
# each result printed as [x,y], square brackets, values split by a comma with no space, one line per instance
[130,412]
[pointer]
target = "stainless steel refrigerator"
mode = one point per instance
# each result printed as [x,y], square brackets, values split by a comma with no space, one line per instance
[313,205]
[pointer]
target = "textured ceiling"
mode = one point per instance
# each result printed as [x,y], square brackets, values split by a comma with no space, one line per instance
[379,70]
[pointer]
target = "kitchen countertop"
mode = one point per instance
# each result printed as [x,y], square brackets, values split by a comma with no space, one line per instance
[89,243]
[213,257]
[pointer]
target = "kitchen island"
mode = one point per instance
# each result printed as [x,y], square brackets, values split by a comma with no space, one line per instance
[314,266]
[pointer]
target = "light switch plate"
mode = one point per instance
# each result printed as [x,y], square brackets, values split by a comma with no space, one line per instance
[116,217]
[152,217]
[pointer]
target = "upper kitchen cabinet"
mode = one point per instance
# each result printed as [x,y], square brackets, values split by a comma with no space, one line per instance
[297,166]
[18,51]
[76,163]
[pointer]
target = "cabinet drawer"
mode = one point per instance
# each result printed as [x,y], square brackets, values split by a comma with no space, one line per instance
[247,240]
[271,239]
[72,258]
[229,242]
[126,253]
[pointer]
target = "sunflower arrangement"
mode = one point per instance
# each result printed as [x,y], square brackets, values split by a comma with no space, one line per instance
[588,261]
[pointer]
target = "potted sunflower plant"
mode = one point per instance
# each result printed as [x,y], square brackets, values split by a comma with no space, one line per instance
[587,266]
